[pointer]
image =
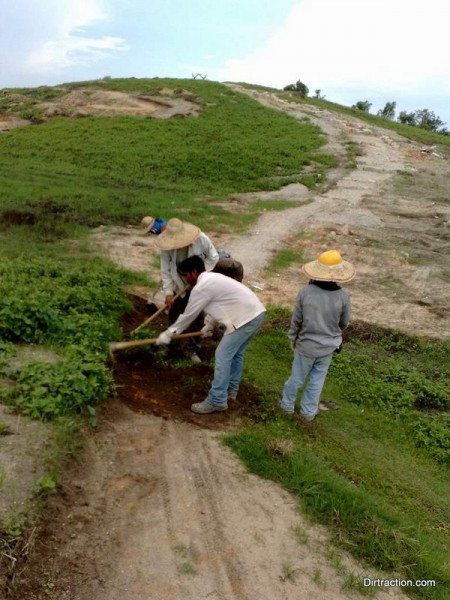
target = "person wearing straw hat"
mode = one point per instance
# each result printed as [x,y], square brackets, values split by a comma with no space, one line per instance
[237,309]
[322,310]
[153,225]
[179,241]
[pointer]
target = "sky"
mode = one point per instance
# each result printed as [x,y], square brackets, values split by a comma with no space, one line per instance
[351,50]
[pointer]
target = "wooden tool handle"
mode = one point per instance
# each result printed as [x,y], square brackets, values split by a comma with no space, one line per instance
[159,311]
[136,343]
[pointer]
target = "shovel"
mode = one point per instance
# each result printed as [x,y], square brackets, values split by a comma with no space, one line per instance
[159,311]
[137,343]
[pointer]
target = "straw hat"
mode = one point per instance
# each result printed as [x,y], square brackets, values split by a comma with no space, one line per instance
[177,235]
[329,266]
[147,223]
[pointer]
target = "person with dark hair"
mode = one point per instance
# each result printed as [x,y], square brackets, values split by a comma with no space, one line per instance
[231,304]
[322,310]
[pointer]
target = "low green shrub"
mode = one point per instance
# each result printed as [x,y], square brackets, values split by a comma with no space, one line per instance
[390,380]
[432,433]
[75,384]
[73,307]
[28,320]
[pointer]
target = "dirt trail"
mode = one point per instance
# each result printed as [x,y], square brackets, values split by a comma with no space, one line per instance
[398,242]
[177,517]
[160,509]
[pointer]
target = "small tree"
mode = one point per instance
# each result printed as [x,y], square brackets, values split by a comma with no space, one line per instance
[388,112]
[407,118]
[363,105]
[423,118]
[426,119]
[299,87]
[318,95]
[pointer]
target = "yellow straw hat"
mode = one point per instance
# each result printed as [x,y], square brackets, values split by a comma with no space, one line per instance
[177,235]
[329,266]
[147,223]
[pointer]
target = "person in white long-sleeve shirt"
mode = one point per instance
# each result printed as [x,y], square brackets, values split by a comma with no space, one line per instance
[231,304]
[178,241]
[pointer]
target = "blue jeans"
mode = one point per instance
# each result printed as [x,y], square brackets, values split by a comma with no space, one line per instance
[229,360]
[303,366]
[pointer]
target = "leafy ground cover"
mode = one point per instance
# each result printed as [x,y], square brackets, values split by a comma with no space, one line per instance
[375,470]
[71,305]
[96,170]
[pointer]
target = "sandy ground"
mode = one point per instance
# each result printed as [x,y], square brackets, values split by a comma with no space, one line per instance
[159,509]
[163,103]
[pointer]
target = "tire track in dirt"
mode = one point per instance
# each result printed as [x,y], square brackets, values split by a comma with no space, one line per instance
[161,510]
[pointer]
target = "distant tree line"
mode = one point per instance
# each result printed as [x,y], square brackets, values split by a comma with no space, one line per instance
[424,118]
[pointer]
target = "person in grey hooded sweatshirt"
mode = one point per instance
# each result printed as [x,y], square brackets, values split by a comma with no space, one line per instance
[322,310]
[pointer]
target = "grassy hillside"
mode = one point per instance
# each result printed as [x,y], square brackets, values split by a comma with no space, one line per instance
[411,132]
[374,471]
[96,170]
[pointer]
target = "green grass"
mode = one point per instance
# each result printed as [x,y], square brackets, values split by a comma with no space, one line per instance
[285,258]
[114,170]
[367,470]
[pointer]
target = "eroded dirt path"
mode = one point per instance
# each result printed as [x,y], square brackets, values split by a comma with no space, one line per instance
[390,216]
[166,512]
[160,509]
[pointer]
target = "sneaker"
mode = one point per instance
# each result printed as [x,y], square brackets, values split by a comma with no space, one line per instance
[231,397]
[195,358]
[205,407]
[307,417]
[289,412]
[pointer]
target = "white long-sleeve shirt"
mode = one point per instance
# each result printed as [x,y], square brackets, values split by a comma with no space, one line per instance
[171,279]
[224,300]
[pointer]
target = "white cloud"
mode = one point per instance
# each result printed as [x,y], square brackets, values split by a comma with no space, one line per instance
[72,50]
[353,44]
[67,42]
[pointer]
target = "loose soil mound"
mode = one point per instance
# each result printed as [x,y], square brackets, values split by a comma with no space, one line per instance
[148,383]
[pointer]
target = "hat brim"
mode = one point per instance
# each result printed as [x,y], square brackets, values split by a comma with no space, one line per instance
[168,241]
[148,227]
[341,273]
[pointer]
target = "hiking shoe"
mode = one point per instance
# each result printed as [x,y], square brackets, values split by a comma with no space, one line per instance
[195,358]
[232,397]
[205,407]
[307,417]
[288,412]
